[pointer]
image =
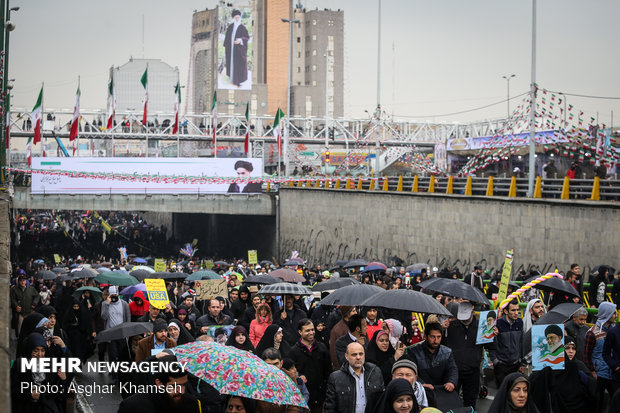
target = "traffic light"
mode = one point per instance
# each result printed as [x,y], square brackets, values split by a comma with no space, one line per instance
[326,156]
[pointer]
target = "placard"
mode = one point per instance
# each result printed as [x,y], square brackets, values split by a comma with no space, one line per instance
[208,289]
[159,265]
[57,258]
[486,324]
[252,257]
[548,346]
[507,270]
[157,292]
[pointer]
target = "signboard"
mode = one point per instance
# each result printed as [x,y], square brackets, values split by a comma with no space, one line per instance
[252,257]
[145,175]
[503,286]
[208,289]
[486,324]
[548,346]
[156,292]
[160,265]
[234,58]
[521,139]
[57,258]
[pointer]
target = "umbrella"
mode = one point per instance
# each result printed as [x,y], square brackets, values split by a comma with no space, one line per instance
[261,279]
[168,275]
[139,260]
[46,275]
[39,261]
[293,262]
[143,267]
[558,315]
[596,269]
[64,277]
[454,288]
[103,269]
[94,291]
[141,274]
[334,284]
[124,330]
[59,270]
[288,275]
[285,289]
[221,263]
[340,263]
[203,275]
[351,295]
[407,300]
[72,266]
[378,263]
[240,373]
[356,263]
[555,284]
[120,278]
[83,272]
[416,267]
[132,289]
[265,262]
[107,264]
[375,268]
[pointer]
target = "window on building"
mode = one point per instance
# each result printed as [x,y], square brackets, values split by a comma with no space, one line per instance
[308,106]
[307,69]
[314,83]
[314,52]
[314,37]
[298,39]
[314,22]
[298,54]
[298,69]
[314,68]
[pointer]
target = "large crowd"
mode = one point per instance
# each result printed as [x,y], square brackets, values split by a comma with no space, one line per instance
[342,358]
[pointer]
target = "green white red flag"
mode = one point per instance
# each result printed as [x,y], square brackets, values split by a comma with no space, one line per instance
[214,118]
[75,120]
[278,129]
[177,105]
[35,115]
[145,83]
[111,103]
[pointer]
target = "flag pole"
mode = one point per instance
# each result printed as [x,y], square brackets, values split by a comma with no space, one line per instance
[278,145]
[43,141]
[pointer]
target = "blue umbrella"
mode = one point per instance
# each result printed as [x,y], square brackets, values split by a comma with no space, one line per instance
[132,289]
[374,268]
[139,260]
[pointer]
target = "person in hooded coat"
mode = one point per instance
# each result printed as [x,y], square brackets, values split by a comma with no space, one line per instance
[384,359]
[78,325]
[30,323]
[139,306]
[184,336]
[504,402]
[54,323]
[273,337]
[396,389]
[243,302]
[35,346]
[232,339]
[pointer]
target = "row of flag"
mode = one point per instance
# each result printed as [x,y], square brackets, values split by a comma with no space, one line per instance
[37,112]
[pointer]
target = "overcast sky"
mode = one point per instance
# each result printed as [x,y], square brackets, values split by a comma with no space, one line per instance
[438,56]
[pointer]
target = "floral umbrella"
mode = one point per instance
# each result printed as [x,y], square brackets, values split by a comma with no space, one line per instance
[238,372]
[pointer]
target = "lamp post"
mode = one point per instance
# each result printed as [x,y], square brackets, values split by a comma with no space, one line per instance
[508,95]
[7,27]
[290,22]
[532,157]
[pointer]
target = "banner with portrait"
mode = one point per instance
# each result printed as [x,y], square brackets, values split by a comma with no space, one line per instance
[548,346]
[234,57]
[486,326]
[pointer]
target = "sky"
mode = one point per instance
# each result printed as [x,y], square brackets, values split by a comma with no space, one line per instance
[439,57]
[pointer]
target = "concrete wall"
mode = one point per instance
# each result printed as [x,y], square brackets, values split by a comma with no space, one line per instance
[5,304]
[326,225]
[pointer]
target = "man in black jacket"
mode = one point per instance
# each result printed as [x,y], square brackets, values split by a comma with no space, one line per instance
[357,382]
[313,364]
[213,317]
[289,319]
[356,333]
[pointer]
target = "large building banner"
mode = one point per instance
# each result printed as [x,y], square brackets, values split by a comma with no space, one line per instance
[234,69]
[146,175]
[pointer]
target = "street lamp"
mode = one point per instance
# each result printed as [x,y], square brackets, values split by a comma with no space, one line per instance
[290,75]
[7,27]
[508,95]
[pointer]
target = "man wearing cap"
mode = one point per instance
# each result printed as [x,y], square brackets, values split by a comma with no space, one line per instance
[157,341]
[408,370]
[244,168]
[460,336]
[115,312]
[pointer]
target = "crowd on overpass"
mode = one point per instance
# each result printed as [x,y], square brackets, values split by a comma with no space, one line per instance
[342,358]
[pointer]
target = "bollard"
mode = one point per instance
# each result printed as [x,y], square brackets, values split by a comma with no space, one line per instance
[490,187]
[337,183]
[512,192]
[468,186]
[268,187]
[372,184]
[431,184]
[291,184]
[414,187]
[450,187]
[308,184]
[348,184]
[386,184]
[596,189]
[328,183]
[565,188]
[399,187]
[300,183]
[538,188]
[317,183]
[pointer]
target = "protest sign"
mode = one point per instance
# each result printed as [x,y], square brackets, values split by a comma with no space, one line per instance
[486,324]
[160,265]
[157,292]
[548,346]
[208,289]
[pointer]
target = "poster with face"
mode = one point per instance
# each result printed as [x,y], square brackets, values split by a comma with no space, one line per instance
[486,326]
[548,346]
[235,48]
[220,333]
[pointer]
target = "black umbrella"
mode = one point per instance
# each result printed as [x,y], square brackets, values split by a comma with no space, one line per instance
[407,300]
[59,270]
[141,274]
[83,273]
[285,289]
[334,284]
[555,284]
[261,279]
[351,295]
[169,275]
[340,263]
[454,288]
[417,267]
[265,262]
[558,315]
[65,277]
[356,263]
[123,331]
[221,263]
[596,269]
[46,275]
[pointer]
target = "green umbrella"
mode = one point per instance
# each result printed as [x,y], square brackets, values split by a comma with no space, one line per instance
[120,278]
[94,292]
[203,275]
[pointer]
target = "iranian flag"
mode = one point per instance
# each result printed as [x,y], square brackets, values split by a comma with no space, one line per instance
[214,118]
[111,103]
[145,83]
[246,145]
[75,120]
[29,151]
[555,357]
[177,104]
[277,130]
[35,115]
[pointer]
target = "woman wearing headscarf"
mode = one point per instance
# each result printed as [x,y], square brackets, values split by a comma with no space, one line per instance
[512,396]
[182,316]
[571,390]
[397,398]
[78,326]
[395,330]
[239,339]
[54,323]
[273,337]
[381,353]
[178,332]
[260,323]
[24,397]
[238,404]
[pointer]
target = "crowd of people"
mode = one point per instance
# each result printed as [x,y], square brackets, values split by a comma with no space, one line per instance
[342,358]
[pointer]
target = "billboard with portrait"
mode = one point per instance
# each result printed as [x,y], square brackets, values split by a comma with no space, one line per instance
[234,57]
